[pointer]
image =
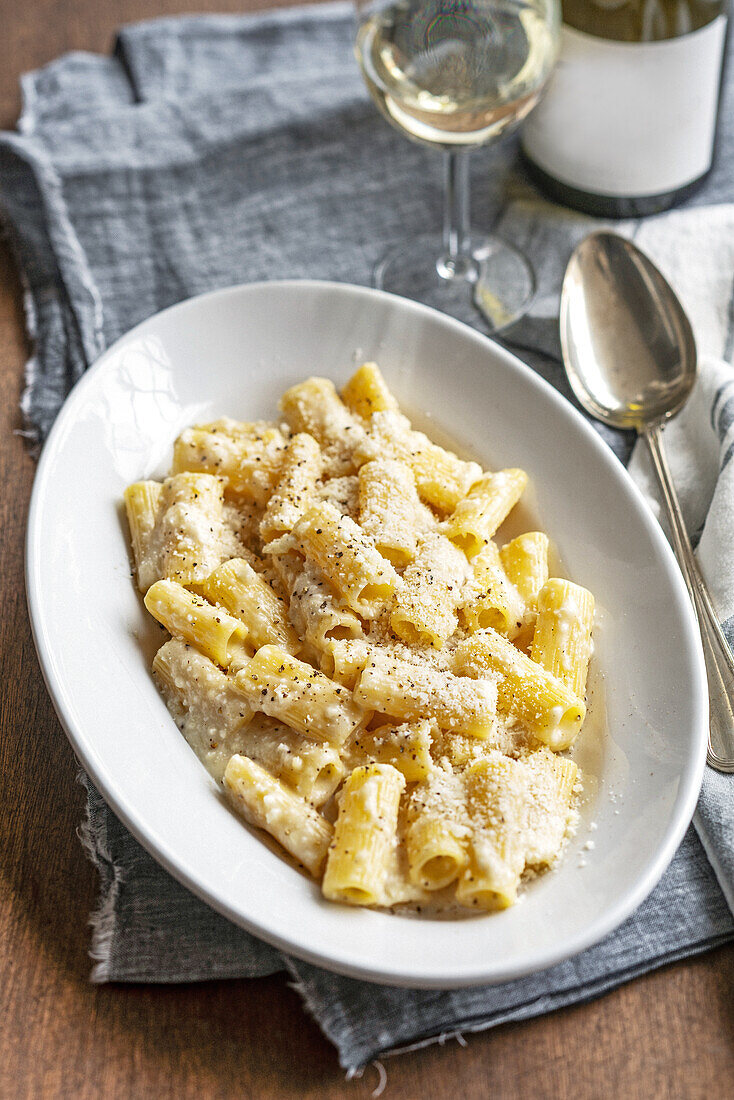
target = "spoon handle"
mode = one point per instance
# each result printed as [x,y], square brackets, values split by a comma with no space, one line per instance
[718,656]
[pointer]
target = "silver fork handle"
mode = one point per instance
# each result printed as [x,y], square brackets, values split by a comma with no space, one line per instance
[718,656]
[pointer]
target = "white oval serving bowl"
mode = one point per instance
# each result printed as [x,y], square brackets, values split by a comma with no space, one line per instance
[233,352]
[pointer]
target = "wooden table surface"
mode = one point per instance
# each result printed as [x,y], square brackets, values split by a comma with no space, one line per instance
[668,1034]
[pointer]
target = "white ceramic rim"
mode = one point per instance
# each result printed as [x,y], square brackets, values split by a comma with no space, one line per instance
[172,861]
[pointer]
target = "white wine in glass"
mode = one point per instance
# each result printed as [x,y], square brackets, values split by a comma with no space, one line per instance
[455,75]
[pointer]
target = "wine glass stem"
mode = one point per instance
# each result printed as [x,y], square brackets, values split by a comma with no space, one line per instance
[456,213]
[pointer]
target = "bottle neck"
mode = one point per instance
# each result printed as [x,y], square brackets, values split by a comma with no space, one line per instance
[640,20]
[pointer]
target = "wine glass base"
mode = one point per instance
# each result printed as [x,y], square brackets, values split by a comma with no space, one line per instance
[490,289]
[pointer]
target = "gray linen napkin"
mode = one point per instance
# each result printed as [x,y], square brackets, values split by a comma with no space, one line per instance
[216,150]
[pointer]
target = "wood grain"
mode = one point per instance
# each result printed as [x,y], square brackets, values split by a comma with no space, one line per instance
[669,1034]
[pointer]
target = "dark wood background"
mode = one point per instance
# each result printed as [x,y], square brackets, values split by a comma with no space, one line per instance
[668,1034]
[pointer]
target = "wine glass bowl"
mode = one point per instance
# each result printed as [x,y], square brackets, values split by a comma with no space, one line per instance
[455,75]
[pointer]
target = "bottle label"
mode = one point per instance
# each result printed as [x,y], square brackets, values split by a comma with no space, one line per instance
[629,119]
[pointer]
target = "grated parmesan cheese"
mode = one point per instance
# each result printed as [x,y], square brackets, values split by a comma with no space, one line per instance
[381,600]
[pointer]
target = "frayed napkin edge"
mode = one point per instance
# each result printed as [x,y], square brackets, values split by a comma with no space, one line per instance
[102,918]
[595,991]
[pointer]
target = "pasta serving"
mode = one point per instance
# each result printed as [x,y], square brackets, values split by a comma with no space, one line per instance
[374,677]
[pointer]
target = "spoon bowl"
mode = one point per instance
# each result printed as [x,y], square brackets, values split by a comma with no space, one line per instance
[630,357]
[627,343]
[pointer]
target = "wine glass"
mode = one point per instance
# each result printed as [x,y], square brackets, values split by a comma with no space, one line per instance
[455,74]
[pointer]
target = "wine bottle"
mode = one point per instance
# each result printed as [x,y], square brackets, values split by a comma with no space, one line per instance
[628,125]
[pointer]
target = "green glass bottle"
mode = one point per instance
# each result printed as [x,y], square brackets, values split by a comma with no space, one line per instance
[628,124]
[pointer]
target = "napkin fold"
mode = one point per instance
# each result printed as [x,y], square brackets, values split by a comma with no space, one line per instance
[214,150]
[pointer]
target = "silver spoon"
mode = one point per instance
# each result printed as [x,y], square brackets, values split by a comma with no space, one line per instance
[630,357]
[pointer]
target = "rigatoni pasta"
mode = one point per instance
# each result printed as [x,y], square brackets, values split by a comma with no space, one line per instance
[347,558]
[248,457]
[562,639]
[497,857]
[390,510]
[375,676]
[313,769]
[492,599]
[424,612]
[185,615]
[314,407]
[295,487]
[407,747]
[267,803]
[248,596]
[178,529]
[488,503]
[300,695]
[525,689]
[407,690]
[442,478]
[525,561]
[205,703]
[358,868]
[437,830]
[318,613]
[141,506]
[366,392]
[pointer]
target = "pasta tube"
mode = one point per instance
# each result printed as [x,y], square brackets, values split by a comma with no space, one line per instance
[550,783]
[525,689]
[295,488]
[525,561]
[437,850]
[344,660]
[390,510]
[178,528]
[193,537]
[488,503]
[457,750]
[343,493]
[248,596]
[426,602]
[312,769]
[249,457]
[346,557]
[185,615]
[410,692]
[492,600]
[407,747]
[365,835]
[297,694]
[366,392]
[315,407]
[319,615]
[562,640]
[495,803]
[441,477]
[208,709]
[265,803]
[141,504]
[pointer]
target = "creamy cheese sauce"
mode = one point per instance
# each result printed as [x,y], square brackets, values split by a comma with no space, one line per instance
[216,717]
